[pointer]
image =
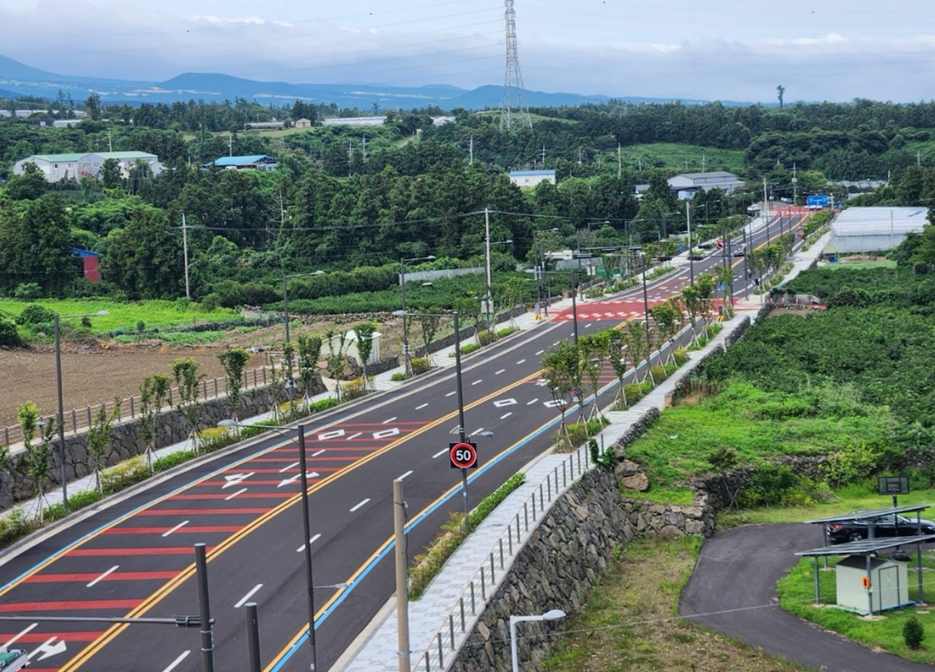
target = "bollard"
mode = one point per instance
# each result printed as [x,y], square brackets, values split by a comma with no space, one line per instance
[526,512]
[493,573]
[509,534]
[483,586]
[501,552]
[473,603]
[462,612]
[441,658]
[451,629]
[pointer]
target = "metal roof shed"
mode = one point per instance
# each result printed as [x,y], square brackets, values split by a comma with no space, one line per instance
[879,587]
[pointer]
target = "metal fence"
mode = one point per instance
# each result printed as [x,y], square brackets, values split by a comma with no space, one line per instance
[81,418]
[457,626]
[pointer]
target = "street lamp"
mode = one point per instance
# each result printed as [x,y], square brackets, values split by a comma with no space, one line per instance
[407,365]
[488,299]
[61,406]
[691,256]
[552,615]
[285,295]
[306,529]
[649,344]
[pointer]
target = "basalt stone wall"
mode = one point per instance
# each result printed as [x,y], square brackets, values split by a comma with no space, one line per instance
[562,563]
[17,485]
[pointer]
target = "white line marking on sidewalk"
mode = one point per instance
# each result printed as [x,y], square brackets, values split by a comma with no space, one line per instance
[178,661]
[15,637]
[360,505]
[404,476]
[291,466]
[239,492]
[246,597]
[386,422]
[310,541]
[103,576]
[176,528]
[439,454]
[419,408]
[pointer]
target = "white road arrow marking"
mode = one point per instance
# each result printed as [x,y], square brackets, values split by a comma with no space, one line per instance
[235,479]
[289,481]
[48,649]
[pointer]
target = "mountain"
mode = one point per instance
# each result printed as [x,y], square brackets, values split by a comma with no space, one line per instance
[19,79]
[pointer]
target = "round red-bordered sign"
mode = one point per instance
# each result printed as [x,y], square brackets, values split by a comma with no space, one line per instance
[463,455]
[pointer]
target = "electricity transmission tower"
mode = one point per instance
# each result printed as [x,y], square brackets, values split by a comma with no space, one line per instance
[513,106]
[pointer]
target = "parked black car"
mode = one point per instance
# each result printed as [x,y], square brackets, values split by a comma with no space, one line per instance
[889,526]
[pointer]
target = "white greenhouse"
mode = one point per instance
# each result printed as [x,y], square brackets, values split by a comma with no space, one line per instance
[858,230]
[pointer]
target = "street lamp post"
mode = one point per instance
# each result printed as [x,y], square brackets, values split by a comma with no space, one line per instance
[649,345]
[691,256]
[60,420]
[552,615]
[407,365]
[574,306]
[306,531]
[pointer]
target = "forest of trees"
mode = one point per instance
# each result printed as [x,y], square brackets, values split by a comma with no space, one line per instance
[343,198]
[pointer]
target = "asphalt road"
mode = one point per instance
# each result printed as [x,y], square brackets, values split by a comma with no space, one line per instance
[135,558]
[734,584]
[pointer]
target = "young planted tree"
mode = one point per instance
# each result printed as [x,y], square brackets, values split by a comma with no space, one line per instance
[37,457]
[153,393]
[337,360]
[187,379]
[593,351]
[234,361]
[364,333]
[277,384]
[667,318]
[470,313]
[635,334]
[617,354]
[288,373]
[725,279]
[98,438]
[430,325]
[562,374]
[309,352]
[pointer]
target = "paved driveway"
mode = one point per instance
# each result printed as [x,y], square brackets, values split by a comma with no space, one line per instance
[738,569]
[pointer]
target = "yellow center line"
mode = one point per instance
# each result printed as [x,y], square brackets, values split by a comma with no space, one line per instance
[108,636]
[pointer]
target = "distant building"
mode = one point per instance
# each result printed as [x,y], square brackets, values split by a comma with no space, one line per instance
[265,125]
[687,184]
[874,229]
[57,167]
[354,121]
[530,178]
[303,123]
[441,121]
[90,264]
[65,123]
[251,162]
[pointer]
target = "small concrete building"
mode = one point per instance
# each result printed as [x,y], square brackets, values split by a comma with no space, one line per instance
[530,178]
[303,123]
[265,125]
[55,167]
[687,184]
[875,229]
[354,121]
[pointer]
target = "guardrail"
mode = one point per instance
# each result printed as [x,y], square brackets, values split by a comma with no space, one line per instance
[82,418]
[460,620]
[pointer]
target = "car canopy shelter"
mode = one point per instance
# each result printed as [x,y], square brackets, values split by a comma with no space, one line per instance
[868,549]
[868,515]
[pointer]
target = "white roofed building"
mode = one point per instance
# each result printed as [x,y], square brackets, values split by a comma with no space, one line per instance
[687,184]
[874,229]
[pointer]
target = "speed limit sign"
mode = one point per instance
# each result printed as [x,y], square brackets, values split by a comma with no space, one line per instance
[463,455]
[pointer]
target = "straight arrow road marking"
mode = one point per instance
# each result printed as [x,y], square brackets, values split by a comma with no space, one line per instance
[103,576]
[48,649]
[235,479]
[288,481]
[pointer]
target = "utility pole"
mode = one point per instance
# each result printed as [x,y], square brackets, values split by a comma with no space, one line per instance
[543,156]
[230,145]
[402,588]
[471,152]
[691,260]
[487,260]
[703,162]
[110,141]
[188,294]
[795,185]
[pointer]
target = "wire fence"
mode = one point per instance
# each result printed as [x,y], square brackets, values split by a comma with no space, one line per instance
[458,625]
[79,419]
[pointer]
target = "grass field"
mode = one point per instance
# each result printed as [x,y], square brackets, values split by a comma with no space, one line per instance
[628,624]
[126,316]
[682,157]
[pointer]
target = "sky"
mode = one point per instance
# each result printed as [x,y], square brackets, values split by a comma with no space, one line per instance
[739,50]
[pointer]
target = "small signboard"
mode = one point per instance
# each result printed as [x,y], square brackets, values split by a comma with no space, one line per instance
[463,455]
[893,485]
